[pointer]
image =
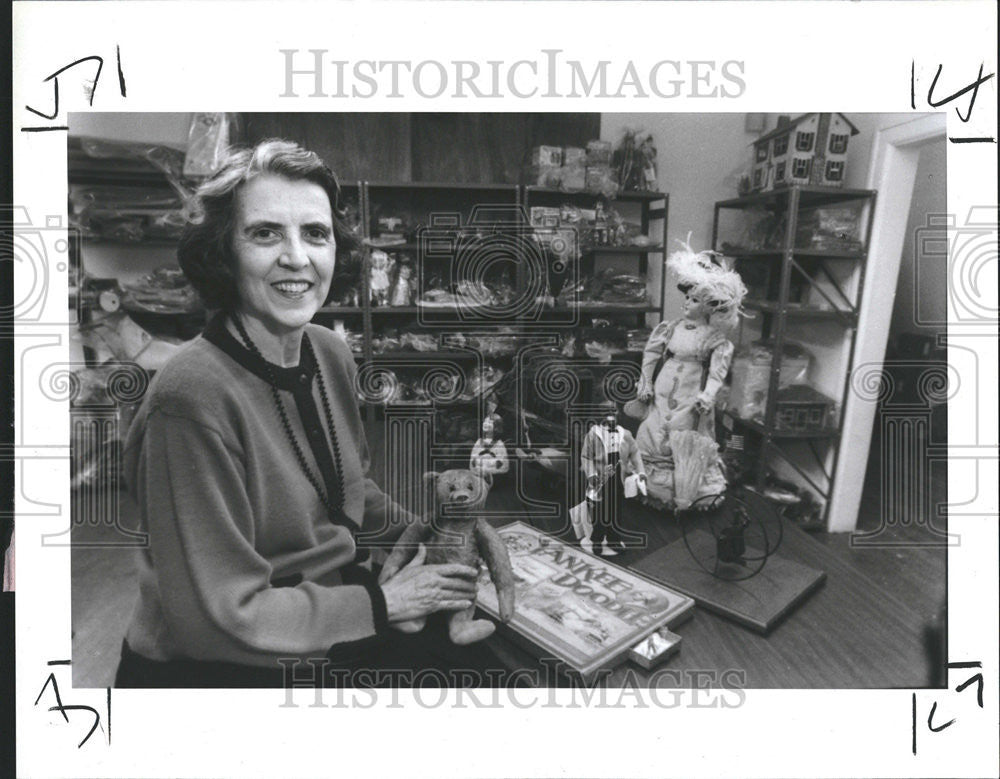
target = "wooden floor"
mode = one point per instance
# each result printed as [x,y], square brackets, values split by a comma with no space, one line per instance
[865,628]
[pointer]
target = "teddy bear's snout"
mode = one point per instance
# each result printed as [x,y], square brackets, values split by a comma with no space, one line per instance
[460,498]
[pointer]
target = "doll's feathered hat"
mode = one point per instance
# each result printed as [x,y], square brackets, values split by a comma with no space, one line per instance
[709,276]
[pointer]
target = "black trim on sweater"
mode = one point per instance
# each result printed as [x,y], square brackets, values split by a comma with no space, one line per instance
[288,379]
[297,380]
[355,574]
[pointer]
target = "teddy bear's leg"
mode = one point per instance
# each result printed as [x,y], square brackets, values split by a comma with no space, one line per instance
[463,629]
[410,625]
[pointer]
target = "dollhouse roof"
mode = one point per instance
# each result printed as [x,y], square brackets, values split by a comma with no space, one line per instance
[785,128]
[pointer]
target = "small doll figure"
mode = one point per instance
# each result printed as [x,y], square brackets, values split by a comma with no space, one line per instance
[489,455]
[402,290]
[684,365]
[647,157]
[609,458]
[381,268]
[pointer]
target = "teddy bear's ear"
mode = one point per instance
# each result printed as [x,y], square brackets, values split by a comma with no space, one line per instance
[431,476]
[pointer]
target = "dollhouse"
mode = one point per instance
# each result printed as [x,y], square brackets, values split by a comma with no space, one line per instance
[810,149]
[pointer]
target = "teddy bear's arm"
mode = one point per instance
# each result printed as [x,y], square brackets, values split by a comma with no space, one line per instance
[494,552]
[405,549]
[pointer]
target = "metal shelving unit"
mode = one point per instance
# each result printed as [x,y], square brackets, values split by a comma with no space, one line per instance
[810,265]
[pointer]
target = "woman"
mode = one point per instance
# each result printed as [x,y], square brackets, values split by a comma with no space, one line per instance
[248,457]
[684,365]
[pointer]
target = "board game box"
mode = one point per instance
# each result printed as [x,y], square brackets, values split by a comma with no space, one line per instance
[576,606]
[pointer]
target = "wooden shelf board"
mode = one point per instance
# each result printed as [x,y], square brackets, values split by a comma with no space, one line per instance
[623,250]
[761,429]
[340,310]
[808,195]
[407,356]
[633,196]
[438,185]
[823,254]
[793,310]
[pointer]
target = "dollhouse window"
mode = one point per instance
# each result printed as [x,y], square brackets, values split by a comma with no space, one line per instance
[834,170]
[804,141]
[779,171]
[780,145]
[838,144]
[800,168]
[757,177]
[761,152]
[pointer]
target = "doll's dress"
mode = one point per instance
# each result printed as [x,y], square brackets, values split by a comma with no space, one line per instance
[695,359]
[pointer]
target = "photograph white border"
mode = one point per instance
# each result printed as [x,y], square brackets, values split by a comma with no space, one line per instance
[214,56]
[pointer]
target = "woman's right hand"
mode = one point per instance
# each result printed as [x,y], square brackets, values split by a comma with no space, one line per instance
[418,589]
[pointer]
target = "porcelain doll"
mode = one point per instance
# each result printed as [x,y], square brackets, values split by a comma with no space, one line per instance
[684,365]
[489,455]
[381,271]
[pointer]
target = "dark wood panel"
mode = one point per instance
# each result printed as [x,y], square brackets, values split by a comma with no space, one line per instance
[490,148]
[459,148]
[356,146]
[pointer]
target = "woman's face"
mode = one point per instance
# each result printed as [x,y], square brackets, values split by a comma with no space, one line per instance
[285,251]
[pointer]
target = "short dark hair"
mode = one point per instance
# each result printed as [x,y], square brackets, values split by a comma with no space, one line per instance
[205,251]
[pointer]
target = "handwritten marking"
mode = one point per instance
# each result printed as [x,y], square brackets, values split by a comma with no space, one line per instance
[121,74]
[930,718]
[90,89]
[971,89]
[65,708]
[980,684]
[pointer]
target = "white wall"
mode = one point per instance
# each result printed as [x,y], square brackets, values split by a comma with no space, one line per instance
[700,157]
[168,129]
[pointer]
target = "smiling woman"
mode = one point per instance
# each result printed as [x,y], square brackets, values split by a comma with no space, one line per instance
[248,458]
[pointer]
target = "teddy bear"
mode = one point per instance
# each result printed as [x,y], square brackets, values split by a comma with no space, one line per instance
[457,534]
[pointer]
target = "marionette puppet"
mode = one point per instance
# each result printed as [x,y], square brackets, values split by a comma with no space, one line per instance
[614,469]
[684,365]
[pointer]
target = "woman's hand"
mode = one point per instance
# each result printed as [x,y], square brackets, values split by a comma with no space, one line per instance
[418,589]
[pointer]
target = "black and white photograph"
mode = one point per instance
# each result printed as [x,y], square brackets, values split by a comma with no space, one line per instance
[447,395]
[523,315]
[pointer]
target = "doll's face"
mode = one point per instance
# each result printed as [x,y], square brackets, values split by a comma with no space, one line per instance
[694,307]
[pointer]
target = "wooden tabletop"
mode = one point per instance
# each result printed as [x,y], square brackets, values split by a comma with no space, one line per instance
[853,632]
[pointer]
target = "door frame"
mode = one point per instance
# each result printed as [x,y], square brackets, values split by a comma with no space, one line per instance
[892,171]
